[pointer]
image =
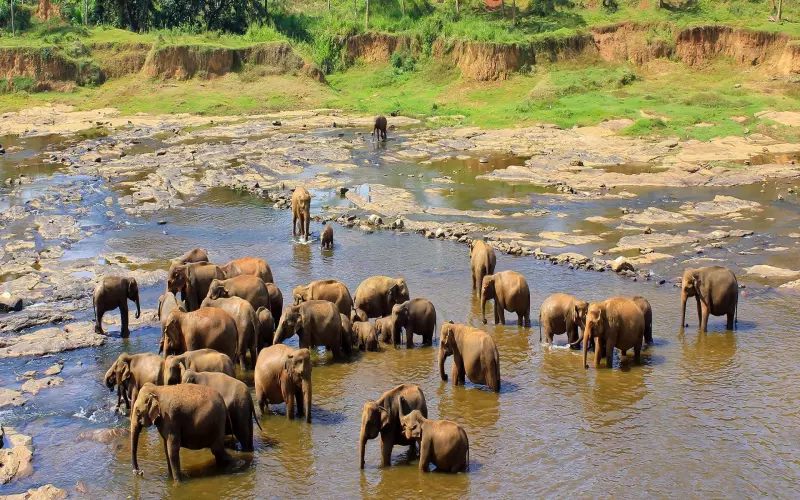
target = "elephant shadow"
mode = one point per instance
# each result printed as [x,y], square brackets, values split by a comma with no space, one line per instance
[323,416]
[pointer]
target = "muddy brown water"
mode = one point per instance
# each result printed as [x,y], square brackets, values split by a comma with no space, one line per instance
[706,414]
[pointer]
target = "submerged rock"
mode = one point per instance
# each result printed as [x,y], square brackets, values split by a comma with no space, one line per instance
[10,397]
[621,264]
[16,460]
[46,492]
[102,435]
[33,386]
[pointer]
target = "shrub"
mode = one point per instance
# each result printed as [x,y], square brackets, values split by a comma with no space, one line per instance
[22,16]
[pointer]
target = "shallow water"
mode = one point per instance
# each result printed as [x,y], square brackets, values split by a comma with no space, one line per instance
[709,414]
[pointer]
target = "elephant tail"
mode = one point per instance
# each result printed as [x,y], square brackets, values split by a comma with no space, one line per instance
[540,326]
[255,415]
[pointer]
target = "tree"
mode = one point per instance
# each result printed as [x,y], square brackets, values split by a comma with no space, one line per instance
[780,7]
[13,30]
[514,12]
[403,7]
[366,17]
[456,6]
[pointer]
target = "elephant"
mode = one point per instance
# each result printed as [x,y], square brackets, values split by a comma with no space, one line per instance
[348,339]
[326,239]
[187,416]
[510,292]
[644,305]
[201,360]
[316,322]
[441,442]
[383,328]
[474,354]
[237,401]
[193,281]
[380,128]
[194,255]
[416,316]
[266,327]
[130,372]
[251,266]
[358,315]
[482,261]
[330,290]
[283,374]
[301,212]
[716,291]
[615,322]
[209,327]
[275,301]
[376,295]
[365,336]
[382,416]
[112,293]
[166,304]
[247,326]
[562,313]
[250,288]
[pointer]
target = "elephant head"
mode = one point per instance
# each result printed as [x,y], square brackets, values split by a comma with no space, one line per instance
[487,293]
[399,320]
[173,370]
[146,412]
[189,377]
[291,323]
[132,293]
[689,287]
[172,341]
[178,279]
[410,422]
[167,303]
[110,377]
[301,294]
[595,327]
[578,312]
[399,291]
[374,418]
[298,374]
[217,290]
[447,346]
[122,370]
[358,315]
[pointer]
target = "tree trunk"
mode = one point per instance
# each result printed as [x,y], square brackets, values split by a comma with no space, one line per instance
[86,13]
[403,6]
[266,8]
[514,12]
[503,8]
[780,7]
[456,6]
[366,17]
[355,8]
[13,30]
[329,5]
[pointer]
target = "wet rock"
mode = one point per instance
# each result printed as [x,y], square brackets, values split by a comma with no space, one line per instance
[46,492]
[398,224]
[16,460]
[483,160]
[33,386]
[104,436]
[28,374]
[10,304]
[570,239]
[10,397]
[341,191]
[576,163]
[366,228]
[621,264]
[655,216]
[440,233]
[766,271]
[720,206]
[52,252]
[375,220]
[276,123]
[52,227]
[571,258]
[15,246]
[54,370]
[51,340]
[29,318]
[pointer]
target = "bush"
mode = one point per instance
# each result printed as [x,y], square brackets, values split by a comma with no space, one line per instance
[403,61]
[22,16]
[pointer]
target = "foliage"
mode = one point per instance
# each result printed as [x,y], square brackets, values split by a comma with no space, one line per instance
[22,16]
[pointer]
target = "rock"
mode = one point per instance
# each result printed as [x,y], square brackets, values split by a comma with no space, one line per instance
[483,160]
[51,340]
[621,264]
[780,197]
[365,228]
[276,123]
[10,397]
[647,230]
[30,318]
[161,222]
[737,85]
[576,163]
[766,271]
[397,224]
[46,492]
[15,461]
[34,386]
[104,436]
[29,374]
[654,216]
[725,206]
[53,370]
[570,257]
[439,232]
[375,220]
[341,191]
[13,304]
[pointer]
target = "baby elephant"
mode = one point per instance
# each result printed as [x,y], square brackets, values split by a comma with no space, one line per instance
[365,336]
[441,442]
[383,327]
[112,293]
[327,238]
[283,374]
[562,313]
[380,128]
[510,292]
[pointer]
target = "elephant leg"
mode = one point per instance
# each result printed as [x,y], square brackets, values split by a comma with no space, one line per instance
[123,316]
[501,313]
[386,452]
[409,337]
[412,450]
[294,224]
[729,324]
[704,318]
[221,456]
[455,375]
[134,395]
[473,281]
[609,353]
[597,352]
[298,396]
[98,327]
[637,352]
[699,313]
[166,455]
[242,356]
[174,457]
[424,455]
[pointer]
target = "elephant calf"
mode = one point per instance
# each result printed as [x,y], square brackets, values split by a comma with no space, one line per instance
[415,316]
[441,442]
[166,304]
[365,336]
[283,374]
[247,287]
[201,360]
[379,129]
[475,355]
[716,291]
[187,416]
[562,313]
[616,322]
[510,292]
[237,401]
[130,372]
[383,327]
[266,327]
[111,293]
[382,417]
[301,212]
[327,238]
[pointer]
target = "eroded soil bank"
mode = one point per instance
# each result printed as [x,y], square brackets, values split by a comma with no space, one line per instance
[149,187]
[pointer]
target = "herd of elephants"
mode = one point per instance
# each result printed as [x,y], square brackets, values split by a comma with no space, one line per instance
[233,314]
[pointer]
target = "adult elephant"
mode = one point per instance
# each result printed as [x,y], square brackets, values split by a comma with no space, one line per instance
[193,281]
[194,255]
[615,322]
[376,295]
[283,375]
[562,313]
[330,290]
[167,303]
[237,401]
[206,328]
[716,291]
[416,316]
[482,262]
[249,288]
[201,360]
[111,293]
[187,416]
[247,325]
[475,355]
[317,322]
[130,372]
[382,417]
[644,305]
[510,292]
[252,266]
[275,301]
[266,327]
[301,212]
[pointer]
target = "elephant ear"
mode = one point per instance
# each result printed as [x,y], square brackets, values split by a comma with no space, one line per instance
[182,368]
[161,299]
[385,417]
[405,409]
[125,374]
[132,287]
[289,365]
[153,408]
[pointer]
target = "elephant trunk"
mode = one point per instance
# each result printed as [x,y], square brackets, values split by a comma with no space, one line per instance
[483,308]
[138,306]
[585,348]
[683,308]
[306,386]
[442,357]
[276,339]
[362,445]
[135,430]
